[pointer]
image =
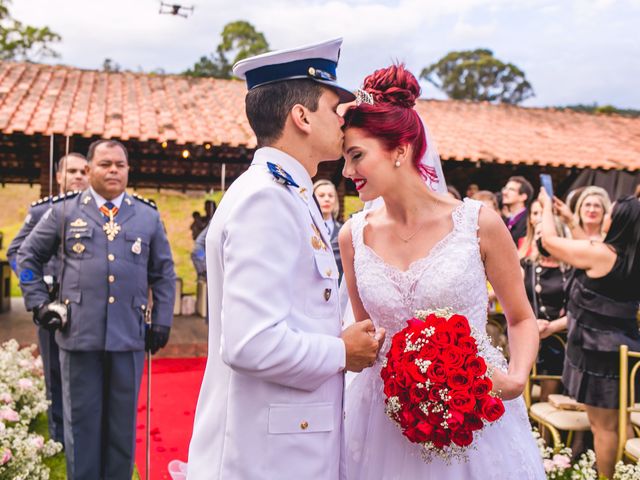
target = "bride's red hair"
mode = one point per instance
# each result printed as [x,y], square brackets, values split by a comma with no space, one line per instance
[392,118]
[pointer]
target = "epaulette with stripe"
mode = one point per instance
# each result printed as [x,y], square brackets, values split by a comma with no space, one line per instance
[151,203]
[56,198]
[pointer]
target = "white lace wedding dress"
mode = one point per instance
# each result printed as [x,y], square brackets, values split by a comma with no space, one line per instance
[451,275]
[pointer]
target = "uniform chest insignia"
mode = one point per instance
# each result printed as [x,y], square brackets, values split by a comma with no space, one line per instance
[78,248]
[78,223]
[280,175]
[136,248]
[316,241]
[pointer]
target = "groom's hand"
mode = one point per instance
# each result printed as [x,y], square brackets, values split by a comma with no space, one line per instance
[362,342]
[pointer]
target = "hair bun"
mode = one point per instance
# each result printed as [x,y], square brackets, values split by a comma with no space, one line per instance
[394,85]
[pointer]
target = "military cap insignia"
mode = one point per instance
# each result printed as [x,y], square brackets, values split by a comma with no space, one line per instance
[280,175]
[78,223]
[146,201]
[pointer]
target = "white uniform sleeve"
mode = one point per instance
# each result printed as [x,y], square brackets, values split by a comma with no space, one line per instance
[260,246]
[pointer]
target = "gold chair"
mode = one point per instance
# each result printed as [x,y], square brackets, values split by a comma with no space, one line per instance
[550,416]
[628,448]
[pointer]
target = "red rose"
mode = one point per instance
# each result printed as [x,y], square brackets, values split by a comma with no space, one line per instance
[415,324]
[417,395]
[456,420]
[492,408]
[443,335]
[473,422]
[434,418]
[476,366]
[453,357]
[437,373]
[482,386]
[434,393]
[462,401]
[468,345]
[391,388]
[462,437]
[430,351]
[425,428]
[440,437]
[458,379]
[460,325]
[406,417]
[414,372]
[415,435]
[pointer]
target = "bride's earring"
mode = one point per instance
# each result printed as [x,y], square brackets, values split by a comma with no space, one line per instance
[397,163]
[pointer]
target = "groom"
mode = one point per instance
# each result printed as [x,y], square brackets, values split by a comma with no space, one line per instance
[271,403]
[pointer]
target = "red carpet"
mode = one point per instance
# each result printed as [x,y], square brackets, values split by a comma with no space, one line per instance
[175,384]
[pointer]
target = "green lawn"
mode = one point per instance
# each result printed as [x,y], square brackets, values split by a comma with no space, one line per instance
[175,209]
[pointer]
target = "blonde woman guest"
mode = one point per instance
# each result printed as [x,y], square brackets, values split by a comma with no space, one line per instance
[327,196]
[592,207]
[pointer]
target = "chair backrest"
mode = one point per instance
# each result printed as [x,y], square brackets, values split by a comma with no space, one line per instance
[627,391]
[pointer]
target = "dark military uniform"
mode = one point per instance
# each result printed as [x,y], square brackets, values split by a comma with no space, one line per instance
[107,271]
[46,338]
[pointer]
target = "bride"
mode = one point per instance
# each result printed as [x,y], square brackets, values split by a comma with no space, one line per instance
[417,249]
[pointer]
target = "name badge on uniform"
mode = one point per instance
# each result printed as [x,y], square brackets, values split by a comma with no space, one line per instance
[136,248]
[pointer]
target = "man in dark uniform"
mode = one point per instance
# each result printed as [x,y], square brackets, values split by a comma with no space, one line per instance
[71,176]
[114,248]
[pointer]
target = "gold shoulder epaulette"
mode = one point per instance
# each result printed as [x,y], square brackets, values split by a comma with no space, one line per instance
[146,201]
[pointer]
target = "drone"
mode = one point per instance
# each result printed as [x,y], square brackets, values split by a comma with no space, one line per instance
[175,9]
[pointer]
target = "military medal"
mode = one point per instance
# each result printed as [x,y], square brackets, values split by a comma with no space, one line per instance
[111,228]
[78,248]
[137,246]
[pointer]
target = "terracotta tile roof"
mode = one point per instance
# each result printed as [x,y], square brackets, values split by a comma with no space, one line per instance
[47,99]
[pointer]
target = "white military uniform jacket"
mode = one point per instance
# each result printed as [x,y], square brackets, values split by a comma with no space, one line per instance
[271,402]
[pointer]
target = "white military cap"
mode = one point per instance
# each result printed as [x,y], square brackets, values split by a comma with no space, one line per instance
[316,62]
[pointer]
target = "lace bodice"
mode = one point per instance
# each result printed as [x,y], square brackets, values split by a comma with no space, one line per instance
[452,275]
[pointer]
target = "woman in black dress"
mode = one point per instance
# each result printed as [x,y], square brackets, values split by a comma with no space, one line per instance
[602,309]
[544,280]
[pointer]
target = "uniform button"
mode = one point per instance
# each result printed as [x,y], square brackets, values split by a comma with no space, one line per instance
[111,257]
[112,278]
[66,301]
[112,299]
[304,425]
[77,235]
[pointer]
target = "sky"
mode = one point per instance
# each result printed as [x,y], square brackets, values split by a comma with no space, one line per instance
[572,51]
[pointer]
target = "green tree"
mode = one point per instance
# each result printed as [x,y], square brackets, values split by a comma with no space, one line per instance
[239,40]
[478,75]
[23,42]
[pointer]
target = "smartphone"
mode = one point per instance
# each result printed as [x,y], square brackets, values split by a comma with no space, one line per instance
[547,183]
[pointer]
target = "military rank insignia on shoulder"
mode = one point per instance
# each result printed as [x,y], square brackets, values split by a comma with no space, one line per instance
[146,201]
[56,198]
[280,175]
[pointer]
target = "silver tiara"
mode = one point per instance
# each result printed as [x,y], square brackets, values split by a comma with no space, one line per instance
[362,96]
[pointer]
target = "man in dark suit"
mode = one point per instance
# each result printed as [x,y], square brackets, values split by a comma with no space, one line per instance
[113,248]
[517,194]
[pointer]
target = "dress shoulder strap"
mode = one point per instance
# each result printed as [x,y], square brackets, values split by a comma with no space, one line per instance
[358,221]
[470,214]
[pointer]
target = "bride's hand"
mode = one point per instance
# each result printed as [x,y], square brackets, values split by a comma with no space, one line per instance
[506,386]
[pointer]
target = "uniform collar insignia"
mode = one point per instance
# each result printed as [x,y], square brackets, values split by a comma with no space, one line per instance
[78,223]
[87,198]
[280,175]
[127,200]
[303,194]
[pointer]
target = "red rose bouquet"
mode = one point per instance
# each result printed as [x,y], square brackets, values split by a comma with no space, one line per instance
[436,385]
